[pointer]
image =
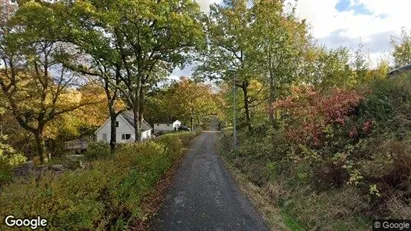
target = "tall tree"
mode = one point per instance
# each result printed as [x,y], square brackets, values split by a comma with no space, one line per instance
[36,87]
[329,68]
[279,42]
[184,100]
[145,34]
[360,64]
[402,48]
[226,57]
[382,69]
[100,59]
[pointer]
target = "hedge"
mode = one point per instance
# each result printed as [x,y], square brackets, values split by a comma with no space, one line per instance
[106,195]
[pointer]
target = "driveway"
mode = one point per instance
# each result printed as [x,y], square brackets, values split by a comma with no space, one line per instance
[204,196]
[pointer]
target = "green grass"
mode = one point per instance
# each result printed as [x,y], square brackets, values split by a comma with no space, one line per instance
[106,195]
[291,223]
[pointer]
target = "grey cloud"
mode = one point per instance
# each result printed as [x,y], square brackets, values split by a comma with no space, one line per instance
[377,43]
[336,40]
[380,42]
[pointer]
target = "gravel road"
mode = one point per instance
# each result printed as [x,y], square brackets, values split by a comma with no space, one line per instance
[204,196]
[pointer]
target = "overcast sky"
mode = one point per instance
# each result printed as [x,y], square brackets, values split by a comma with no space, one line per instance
[336,23]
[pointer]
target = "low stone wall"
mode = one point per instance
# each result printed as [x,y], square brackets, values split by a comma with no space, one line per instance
[24,170]
[28,168]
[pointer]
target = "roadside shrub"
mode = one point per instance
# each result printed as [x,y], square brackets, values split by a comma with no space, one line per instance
[67,162]
[312,112]
[342,157]
[331,210]
[5,172]
[97,150]
[172,142]
[185,137]
[389,106]
[107,195]
[8,159]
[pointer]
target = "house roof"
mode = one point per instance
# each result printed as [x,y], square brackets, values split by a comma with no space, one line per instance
[128,115]
[399,70]
[167,122]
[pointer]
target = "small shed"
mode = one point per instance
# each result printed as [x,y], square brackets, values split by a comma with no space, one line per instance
[167,126]
[79,145]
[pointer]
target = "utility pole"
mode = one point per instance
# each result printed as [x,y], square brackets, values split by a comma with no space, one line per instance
[192,128]
[192,115]
[234,112]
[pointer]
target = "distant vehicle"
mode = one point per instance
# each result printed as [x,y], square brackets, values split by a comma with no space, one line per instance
[183,128]
[399,71]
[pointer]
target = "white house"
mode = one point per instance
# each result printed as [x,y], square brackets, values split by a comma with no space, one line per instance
[167,127]
[125,129]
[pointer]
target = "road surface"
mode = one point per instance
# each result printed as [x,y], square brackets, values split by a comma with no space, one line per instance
[204,196]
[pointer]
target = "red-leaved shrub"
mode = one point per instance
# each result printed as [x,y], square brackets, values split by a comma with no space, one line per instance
[311,112]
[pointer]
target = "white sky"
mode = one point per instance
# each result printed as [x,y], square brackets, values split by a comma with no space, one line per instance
[375,27]
[374,21]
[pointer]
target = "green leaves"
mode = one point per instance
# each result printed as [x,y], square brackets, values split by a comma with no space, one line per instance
[402,48]
[181,100]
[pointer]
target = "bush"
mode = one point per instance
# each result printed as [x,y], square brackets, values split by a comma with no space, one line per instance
[97,150]
[343,157]
[331,210]
[5,172]
[185,137]
[8,159]
[67,162]
[312,112]
[389,106]
[107,195]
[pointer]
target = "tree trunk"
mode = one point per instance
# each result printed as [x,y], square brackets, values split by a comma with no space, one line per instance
[141,108]
[271,101]
[40,145]
[191,120]
[113,129]
[136,103]
[246,106]
[137,127]
[271,94]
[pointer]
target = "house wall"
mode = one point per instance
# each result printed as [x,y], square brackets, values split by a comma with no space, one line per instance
[123,128]
[167,127]
[176,124]
[163,127]
[146,135]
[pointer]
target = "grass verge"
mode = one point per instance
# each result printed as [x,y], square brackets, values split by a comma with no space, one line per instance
[112,193]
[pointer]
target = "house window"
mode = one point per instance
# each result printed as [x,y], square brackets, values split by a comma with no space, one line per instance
[105,137]
[125,136]
[117,124]
[168,125]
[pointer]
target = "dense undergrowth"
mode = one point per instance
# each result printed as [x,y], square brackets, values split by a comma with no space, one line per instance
[106,195]
[334,160]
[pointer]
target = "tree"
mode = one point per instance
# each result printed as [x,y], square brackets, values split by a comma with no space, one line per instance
[360,64]
[36,87]
[402,48]
[146,37]
[330,69]
[183,100]
[227,55]
[8,158]
[279,41]
[381,71]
